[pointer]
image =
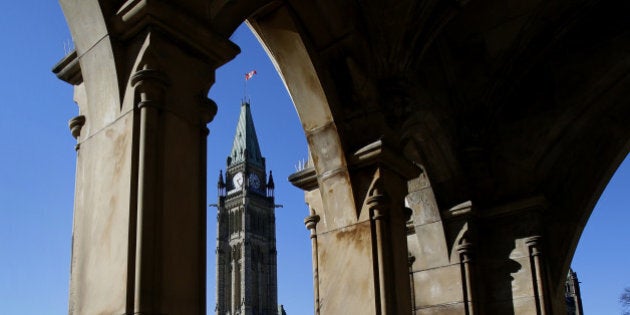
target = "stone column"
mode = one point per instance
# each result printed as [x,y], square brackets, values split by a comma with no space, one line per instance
[140,205]
[150,85]
[538,275]
[388,217]
[509,252]
[379,205]
[360,251]
[466,254]
[311,224]
[170,216]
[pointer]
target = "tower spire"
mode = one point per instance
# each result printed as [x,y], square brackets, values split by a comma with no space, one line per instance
[245,146]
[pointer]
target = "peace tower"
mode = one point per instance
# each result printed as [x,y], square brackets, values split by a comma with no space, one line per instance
[246,233]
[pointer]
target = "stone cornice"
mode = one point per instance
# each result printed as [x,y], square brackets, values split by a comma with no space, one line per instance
[68,69]
[305,179]
[374,153]
[379,152]
[137,15]
[466,210]
[463,210]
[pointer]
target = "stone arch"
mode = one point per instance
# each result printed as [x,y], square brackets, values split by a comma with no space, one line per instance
[286,47]
[502,119]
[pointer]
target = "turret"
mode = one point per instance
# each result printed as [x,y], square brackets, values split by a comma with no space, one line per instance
[221,185]
[270,185]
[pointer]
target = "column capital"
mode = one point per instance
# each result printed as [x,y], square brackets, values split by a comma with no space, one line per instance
[150,84]
[75,124]
[311,221]
[411,260]
[133,17]
[378,199]
[534,243]
[382,154]
[148,75]
[465,248]
[208,109]
[533,240]
[163,79]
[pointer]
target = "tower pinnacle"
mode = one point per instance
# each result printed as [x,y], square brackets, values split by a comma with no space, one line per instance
[245,147]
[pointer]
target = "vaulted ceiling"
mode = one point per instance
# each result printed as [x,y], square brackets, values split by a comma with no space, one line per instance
[497,99]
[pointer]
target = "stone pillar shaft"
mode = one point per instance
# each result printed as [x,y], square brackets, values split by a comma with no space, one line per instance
[465,252]
[386,287]
[388,217]
[538,276]
[311,225]
[149,85]
[360,250]
[140,204]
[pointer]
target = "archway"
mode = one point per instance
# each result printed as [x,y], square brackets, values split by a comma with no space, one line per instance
[284,147]
[600,266]
[501,123]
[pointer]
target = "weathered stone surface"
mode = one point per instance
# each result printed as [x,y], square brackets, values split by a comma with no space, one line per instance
[430,288]
[344,272]
[450,309]
[100,246]
[517,113]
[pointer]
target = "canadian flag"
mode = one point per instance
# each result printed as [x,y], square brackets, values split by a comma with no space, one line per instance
[250,74]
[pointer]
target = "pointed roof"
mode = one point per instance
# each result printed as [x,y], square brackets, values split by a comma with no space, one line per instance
[221,183]
[270,184]
[245,147]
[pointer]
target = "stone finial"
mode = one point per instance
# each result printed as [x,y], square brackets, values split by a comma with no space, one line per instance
[221,183]
[270,183]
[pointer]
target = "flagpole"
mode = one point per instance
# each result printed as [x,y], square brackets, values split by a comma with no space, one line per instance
[245,89]
[248,76]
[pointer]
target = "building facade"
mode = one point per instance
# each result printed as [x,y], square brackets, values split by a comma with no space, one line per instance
[573,295]
[246,233]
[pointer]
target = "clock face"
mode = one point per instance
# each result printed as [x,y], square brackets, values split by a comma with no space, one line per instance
[254,181]
[237,180]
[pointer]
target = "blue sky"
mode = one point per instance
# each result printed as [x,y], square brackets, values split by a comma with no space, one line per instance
[37,167]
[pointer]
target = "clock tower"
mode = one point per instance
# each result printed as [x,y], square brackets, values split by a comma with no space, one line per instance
[246,233]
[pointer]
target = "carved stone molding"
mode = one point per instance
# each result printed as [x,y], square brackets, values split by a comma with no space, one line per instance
[75,124]
[379,152]
[208,109]
[378,200]
[305,179]
[69,69]
[137,15]
[311,221]
[463,211]
[150,84]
